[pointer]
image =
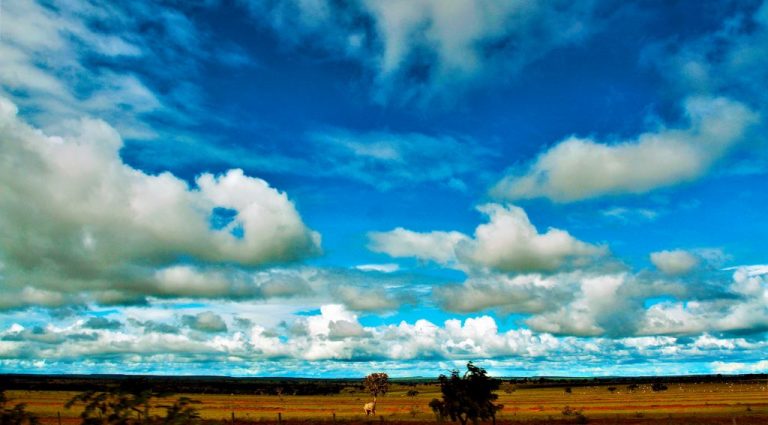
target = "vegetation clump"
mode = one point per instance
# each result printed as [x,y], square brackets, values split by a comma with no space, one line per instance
[16,414]
[121,406]
[467,397]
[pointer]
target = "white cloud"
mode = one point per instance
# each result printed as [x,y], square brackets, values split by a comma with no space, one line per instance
[630,215]
[383,268]
[732,368]
[332,337]
[743,310]
[578,168]
[417,41]
[48,52]
[435,246]
[82,220]
[675,262]
[521,293]
[508,242]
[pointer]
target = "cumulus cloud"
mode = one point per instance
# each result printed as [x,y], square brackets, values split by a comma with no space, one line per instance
[742,310]
[434,246]
[416,42]
[675,262]
[333,339]
[340,329]
[579,168]
[82,220]
[522,293]
[509,242]
[206,321]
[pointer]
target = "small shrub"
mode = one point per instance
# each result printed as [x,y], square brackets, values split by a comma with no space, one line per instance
[581,419]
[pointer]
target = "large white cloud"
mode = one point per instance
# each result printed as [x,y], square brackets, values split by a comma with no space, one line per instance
[744,309]
[509,242]
[582,168]
[76,218]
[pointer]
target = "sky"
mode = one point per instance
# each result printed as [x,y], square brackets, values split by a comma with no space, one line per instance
[328,189]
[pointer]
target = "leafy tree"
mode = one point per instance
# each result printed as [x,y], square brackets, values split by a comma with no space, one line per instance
[469,396]
[377,383]
[438,407]
[16,415]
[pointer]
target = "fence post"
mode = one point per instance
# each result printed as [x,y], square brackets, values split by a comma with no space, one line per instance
[233,417]
[279,418]
[58,416]
[334,417]
[381,419]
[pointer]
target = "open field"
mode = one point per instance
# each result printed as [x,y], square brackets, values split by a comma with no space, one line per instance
[694,403]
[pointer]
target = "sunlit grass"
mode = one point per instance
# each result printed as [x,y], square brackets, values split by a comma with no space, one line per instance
[747,401]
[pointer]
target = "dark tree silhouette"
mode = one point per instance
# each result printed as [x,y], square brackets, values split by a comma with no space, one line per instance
[468,397]
[120,406]
[181,412]
[16,414]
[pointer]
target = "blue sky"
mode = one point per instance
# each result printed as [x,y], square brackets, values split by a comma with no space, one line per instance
[321,188]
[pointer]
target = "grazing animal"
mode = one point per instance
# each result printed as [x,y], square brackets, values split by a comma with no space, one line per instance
[370,408]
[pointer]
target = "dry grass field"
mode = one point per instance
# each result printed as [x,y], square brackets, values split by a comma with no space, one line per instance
[729,403]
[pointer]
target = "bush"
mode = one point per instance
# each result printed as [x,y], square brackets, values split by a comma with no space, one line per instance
[467,397]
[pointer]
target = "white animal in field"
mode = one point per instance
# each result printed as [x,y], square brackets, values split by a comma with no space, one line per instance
[370,408]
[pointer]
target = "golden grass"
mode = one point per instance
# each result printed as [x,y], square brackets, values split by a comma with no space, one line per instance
[746,401]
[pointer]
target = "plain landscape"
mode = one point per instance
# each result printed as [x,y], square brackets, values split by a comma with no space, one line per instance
[672,400]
